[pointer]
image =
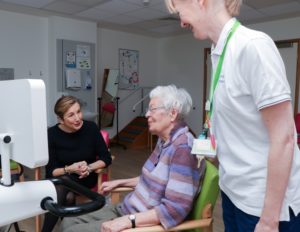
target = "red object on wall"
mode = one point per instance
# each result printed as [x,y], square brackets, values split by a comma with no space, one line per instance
[109,107]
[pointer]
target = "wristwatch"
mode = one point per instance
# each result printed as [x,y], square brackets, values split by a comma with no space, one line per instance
[132,219]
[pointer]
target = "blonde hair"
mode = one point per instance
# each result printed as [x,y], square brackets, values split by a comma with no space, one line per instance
[232,6]
[170,6]
[63,104]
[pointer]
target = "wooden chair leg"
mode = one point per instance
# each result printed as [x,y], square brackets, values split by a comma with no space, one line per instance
[38,218]
[115,198]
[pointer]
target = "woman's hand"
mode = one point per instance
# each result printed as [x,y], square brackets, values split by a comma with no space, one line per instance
[80,168]
[84,170]
[116,225]
[108,186]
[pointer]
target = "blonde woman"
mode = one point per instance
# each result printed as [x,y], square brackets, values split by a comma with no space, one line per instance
[251,119]
[76,149]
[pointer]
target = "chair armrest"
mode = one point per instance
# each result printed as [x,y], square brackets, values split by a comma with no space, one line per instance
[101,173]
[190,224]
[122,190]
[115,193]
[100,170]
[205,222]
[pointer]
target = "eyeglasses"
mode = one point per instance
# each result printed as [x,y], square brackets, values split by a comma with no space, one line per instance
[152,110]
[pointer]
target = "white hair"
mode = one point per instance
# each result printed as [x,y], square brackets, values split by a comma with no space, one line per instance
[173,98]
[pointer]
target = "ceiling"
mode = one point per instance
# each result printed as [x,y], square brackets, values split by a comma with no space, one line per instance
[146,17]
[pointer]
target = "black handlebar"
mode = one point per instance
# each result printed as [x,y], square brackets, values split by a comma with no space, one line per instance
[97,202]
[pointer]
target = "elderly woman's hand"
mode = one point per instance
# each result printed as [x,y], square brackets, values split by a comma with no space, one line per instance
[108,186]
[116,225]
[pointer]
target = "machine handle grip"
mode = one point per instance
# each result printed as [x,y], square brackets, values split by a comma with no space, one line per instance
[97,202]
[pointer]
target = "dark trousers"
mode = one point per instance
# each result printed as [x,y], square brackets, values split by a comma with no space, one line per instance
[236,220]
[64,198]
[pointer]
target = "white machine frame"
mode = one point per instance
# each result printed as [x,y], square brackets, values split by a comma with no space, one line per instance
[23,138]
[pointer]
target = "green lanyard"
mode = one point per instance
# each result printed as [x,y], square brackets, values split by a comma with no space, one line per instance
[216,76]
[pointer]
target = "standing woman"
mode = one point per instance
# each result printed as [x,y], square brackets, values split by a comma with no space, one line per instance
[76,149]
[251,117]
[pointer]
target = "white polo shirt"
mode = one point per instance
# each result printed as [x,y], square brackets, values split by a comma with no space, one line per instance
[253,77]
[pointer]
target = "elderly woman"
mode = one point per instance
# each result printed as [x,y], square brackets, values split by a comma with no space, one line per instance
[164,192]
[76,149]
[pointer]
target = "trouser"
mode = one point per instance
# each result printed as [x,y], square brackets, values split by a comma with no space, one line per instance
[236,220]
[90,222]
[65,198]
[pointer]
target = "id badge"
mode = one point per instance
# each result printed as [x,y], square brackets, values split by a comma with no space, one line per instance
[203,147]
[207,106]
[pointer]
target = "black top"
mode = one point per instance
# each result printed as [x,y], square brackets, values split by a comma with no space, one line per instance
[85,144]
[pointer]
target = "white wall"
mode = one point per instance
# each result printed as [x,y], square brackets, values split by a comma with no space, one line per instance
[280,29]
[109,42]
[69,29]
[24,46]
[181,63]
[28,44]
[289,56]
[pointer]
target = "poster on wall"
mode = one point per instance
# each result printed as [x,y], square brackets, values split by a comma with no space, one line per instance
[83,63]
[83,50]
[71,59]
[128,69]
[83,59]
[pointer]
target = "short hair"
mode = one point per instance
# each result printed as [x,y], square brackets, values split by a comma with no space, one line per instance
[173,98]
[170,6]
[232,6]
[63,104]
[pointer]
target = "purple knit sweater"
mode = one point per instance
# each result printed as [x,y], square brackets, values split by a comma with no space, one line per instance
[169,180]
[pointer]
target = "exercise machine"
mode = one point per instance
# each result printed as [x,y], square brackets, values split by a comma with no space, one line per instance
[23,138]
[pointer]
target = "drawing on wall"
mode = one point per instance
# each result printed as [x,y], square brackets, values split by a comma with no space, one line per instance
[83,63]
[71,59]
[128,69]
[83,50]
[83,59]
